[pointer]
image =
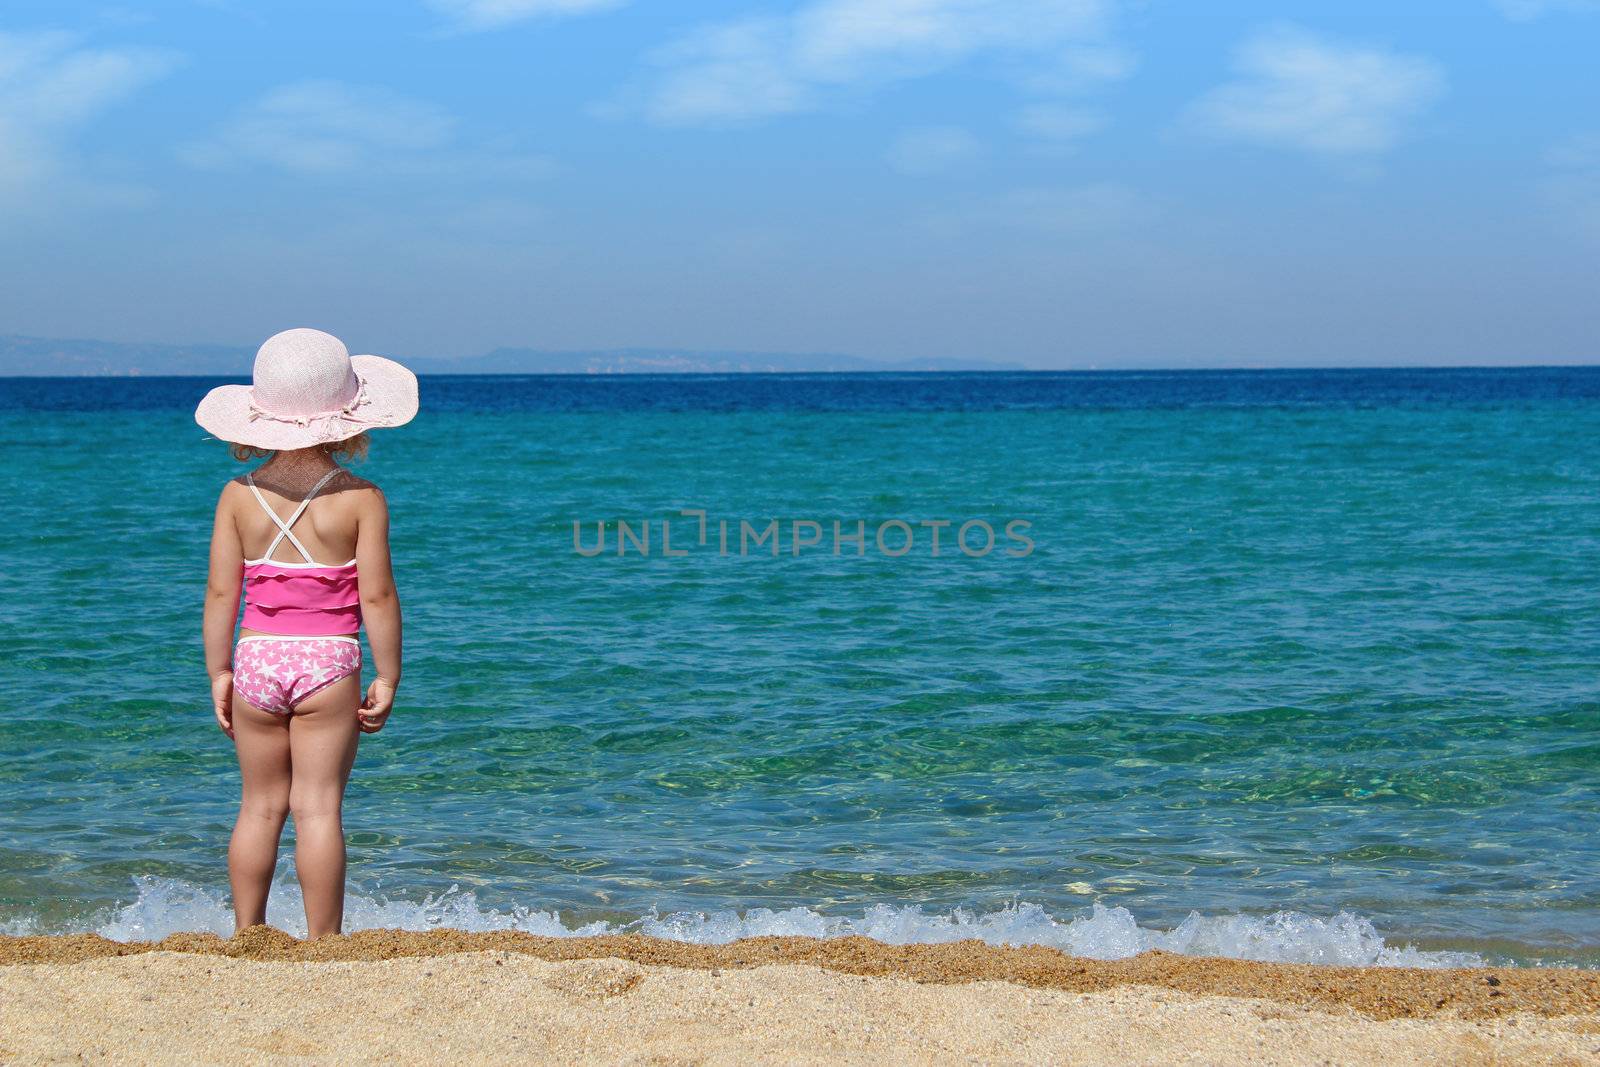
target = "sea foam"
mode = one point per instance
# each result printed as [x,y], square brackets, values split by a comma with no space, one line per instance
[165,906]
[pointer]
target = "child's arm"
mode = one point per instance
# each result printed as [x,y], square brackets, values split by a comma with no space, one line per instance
[380,609]
[222,610]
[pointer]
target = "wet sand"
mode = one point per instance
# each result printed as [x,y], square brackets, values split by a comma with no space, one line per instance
[457,997]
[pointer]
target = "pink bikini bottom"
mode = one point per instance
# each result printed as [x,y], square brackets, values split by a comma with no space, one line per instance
[277,673]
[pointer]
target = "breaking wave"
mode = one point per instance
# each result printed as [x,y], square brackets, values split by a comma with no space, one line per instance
[165,906]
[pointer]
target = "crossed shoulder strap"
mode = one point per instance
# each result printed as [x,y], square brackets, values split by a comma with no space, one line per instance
[283,527]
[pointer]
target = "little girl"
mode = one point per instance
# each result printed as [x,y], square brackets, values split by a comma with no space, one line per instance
[289,692]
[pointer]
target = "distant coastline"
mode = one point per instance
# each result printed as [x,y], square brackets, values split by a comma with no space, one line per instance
[40,357]
[46,357]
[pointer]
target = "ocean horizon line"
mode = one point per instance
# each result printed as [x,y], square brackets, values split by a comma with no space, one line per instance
[882,372]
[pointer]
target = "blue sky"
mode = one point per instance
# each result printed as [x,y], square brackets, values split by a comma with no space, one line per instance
[1066,183]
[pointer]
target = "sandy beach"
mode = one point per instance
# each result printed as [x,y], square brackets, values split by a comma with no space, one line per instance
[452,997]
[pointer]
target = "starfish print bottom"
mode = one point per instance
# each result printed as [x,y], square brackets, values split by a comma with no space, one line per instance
[276,673]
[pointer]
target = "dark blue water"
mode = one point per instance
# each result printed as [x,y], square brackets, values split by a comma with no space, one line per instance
[976,391]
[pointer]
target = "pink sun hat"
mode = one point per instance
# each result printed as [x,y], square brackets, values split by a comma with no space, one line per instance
[309,390]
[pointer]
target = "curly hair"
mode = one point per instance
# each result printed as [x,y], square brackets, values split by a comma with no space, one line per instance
[351,449]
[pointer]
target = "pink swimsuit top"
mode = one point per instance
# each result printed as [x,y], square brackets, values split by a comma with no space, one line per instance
[307,599]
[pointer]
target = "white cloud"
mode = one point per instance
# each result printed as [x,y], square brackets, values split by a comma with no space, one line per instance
[931,149]
[1085,65]
[759,67]
[1527,10]
[1297,90]
[49,87]
[493,14]
[734,71]
[331,129]
[324,127]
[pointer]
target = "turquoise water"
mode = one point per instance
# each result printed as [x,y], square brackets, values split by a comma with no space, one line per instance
[1313,643]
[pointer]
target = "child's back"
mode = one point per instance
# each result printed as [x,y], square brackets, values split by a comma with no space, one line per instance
[328,527]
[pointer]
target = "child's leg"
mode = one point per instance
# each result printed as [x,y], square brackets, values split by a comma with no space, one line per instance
[322,738]
[262,741]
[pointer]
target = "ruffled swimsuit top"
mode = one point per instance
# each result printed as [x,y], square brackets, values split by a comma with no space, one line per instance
[307,599]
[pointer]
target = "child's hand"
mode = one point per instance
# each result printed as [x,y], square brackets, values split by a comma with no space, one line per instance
[222,700]
[374,711]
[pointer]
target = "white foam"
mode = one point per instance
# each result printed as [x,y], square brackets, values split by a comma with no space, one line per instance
[165,906]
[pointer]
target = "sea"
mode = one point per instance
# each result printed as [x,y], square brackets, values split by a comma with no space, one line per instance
[1284,665]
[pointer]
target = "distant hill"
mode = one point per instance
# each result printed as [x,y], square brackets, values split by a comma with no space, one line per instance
[33,356]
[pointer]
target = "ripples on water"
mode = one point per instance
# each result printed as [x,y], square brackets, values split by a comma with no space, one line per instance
[1315,642]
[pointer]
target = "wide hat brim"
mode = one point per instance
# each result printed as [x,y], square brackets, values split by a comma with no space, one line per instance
[391,400]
